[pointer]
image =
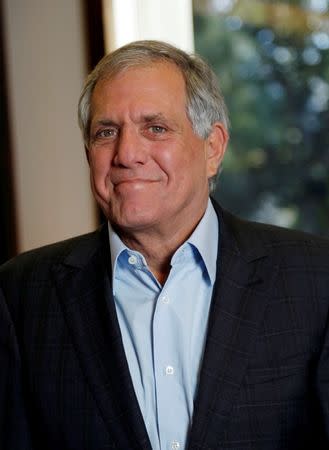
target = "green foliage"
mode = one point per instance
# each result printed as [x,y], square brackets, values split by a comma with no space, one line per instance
[277,92]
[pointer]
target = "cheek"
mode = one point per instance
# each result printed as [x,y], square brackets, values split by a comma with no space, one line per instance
[98,167]
[161,165]
[100,164]
[184,168]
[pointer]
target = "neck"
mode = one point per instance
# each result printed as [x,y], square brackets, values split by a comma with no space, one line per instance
[157,247]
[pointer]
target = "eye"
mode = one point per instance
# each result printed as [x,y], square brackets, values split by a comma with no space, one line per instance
[107,133]
[157,129]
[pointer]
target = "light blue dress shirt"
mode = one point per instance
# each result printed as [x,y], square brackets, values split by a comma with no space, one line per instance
[164,328]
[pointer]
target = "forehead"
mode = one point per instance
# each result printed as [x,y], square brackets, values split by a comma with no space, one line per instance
[157,79]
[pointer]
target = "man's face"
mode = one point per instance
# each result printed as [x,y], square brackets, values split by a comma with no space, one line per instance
[149,170]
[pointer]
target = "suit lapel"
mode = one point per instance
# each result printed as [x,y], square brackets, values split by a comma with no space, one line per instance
[245,274]
[84,288]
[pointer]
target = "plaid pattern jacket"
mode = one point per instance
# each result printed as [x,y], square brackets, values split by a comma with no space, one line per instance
[264,381]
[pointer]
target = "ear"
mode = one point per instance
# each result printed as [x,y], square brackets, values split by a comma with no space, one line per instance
[216,144]
[87,153]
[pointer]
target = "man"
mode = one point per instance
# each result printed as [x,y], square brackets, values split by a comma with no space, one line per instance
[176,325]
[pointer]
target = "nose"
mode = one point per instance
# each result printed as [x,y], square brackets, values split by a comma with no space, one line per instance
[129,148]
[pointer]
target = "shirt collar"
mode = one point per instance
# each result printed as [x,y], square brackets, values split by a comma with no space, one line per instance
[116,246]
[204,238]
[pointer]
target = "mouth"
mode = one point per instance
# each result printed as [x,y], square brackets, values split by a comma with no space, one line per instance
[131,181]
[134,183]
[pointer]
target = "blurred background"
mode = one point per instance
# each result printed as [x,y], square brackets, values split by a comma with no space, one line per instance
[272,60]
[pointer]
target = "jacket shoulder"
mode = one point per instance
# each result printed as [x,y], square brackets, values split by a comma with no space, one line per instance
[275,235]
[39,260]
[255,238]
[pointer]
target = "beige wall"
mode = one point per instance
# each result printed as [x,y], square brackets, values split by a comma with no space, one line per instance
[46,67]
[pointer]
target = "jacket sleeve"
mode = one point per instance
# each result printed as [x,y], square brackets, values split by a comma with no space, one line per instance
[14,430]
[322,380]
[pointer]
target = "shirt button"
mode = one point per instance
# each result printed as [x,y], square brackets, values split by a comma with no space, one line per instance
[170,371]
[165,299]
[132,259]
[175,445]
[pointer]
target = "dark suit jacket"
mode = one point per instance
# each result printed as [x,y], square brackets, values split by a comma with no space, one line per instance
[264,383]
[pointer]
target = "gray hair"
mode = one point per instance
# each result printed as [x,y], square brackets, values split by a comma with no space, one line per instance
[205,104]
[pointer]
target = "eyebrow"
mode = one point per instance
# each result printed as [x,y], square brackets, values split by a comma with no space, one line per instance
[153,117]
[106,122]
[146,118]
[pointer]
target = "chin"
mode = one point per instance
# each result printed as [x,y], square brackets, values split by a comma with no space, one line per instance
[136,223]
[132,220]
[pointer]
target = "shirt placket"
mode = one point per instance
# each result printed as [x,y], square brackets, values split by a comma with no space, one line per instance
[167,372]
